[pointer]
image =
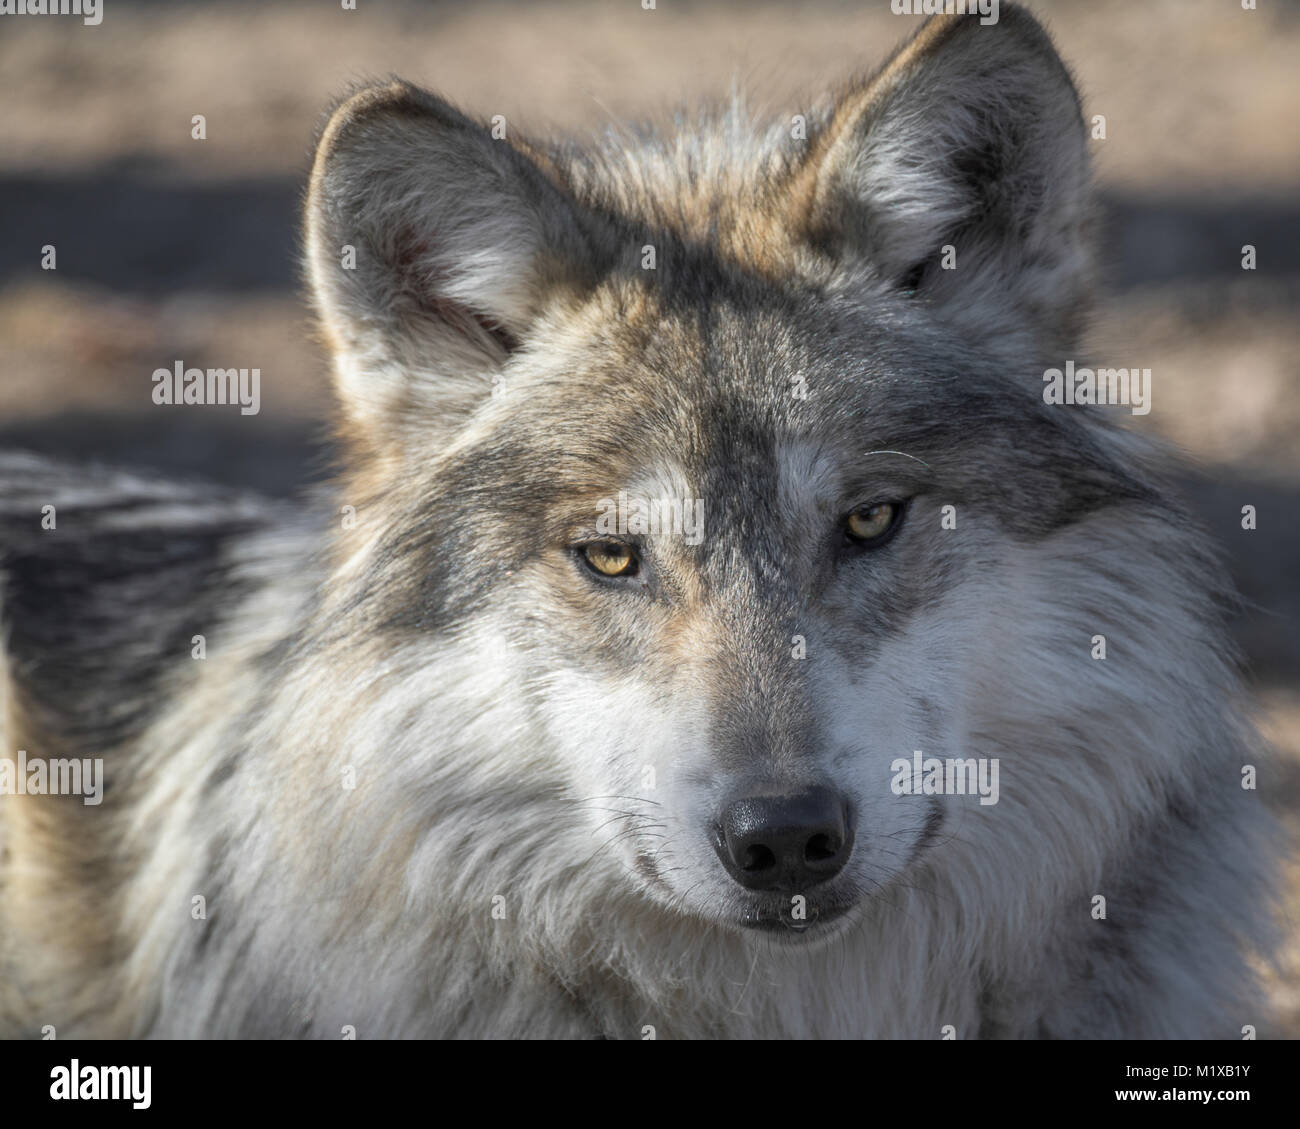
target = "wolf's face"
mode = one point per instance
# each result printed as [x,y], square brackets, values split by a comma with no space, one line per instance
[729,445]
[731,696]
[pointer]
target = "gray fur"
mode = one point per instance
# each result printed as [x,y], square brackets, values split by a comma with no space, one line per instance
[501,711]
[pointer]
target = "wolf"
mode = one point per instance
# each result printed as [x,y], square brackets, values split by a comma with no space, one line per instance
[433,753]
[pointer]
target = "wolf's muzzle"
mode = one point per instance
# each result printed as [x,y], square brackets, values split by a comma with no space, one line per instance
[785,843]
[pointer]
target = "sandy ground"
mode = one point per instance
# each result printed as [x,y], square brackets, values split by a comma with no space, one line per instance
[170,247]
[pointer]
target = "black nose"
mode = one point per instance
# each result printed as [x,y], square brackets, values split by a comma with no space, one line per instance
[785,842]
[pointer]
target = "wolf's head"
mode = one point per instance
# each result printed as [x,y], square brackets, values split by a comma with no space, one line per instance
[713,474]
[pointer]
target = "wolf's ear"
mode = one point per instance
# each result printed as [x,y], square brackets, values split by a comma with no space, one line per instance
[971,137]
[432,247]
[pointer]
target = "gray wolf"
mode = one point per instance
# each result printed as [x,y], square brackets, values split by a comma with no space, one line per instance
[454,748]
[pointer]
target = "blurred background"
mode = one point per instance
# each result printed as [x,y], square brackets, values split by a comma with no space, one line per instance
[174,248]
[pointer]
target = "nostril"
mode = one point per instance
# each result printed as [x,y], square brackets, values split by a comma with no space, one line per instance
[757,858]
[821,848]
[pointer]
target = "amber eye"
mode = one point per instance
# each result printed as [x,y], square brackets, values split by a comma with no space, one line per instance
[610,558]
[872,523]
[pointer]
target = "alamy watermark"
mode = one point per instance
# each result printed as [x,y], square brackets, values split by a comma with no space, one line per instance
[987,10]
[82,777]
[955,776]
[76,1082]
[181,385]
[671,517]
[1098,386]
[90,11]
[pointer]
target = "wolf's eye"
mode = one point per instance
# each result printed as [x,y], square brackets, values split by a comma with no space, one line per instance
[610,558]
[872,524]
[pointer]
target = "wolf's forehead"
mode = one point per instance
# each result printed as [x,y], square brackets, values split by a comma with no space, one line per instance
[787,479]
[725,360]
[783,405]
